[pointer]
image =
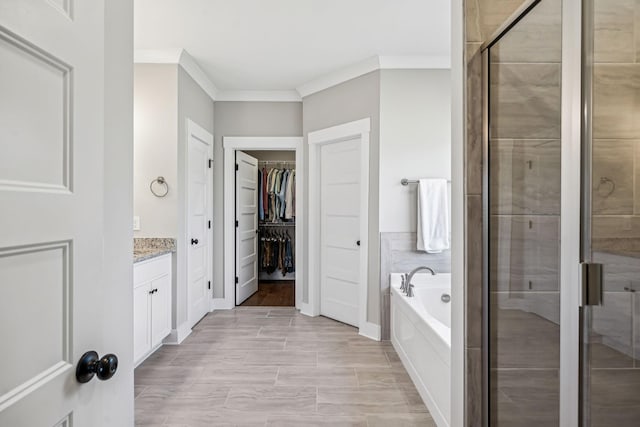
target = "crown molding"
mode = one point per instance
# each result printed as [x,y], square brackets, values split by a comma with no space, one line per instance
[182,58]
[374,63]
[259,96]
[188,63]
[339,76]
[193,69]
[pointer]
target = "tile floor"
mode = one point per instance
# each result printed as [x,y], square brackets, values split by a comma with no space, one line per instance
[259,366]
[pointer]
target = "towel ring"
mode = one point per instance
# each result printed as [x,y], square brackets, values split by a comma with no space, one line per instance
[160,180]
[610,182]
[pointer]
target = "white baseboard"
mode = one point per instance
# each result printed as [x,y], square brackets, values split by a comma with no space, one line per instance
[178,335]
[370,330]
[223,304]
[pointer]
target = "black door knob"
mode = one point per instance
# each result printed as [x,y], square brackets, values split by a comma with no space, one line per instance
[194,241]
[358,243]
[91,364]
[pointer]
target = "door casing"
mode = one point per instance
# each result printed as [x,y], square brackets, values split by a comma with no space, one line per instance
[230,145]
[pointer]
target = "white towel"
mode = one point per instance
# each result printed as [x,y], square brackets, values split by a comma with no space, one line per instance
[433,215]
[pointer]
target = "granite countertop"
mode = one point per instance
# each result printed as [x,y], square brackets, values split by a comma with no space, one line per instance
[147,248]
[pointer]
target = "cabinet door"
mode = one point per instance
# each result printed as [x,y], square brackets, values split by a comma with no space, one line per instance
[141,321]
[160,309]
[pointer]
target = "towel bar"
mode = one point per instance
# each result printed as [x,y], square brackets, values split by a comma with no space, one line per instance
[405,181]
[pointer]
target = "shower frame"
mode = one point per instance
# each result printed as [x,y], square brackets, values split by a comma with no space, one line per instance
[575,211]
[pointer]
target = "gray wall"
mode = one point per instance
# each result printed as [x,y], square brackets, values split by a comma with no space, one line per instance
[196,105]
[244,119]
[355,99]
[272,155]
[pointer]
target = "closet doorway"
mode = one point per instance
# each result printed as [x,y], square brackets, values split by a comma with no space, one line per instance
[263,221]
[274,235]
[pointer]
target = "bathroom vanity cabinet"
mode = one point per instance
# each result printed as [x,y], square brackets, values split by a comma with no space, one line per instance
[151,305]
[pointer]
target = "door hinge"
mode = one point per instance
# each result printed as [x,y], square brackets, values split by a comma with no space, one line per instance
[210,163]
[591,283]
[209,284]
[237,167]
[237,224]
[209,224]
[237,279]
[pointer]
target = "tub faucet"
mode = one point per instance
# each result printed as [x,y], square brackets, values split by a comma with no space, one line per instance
[408,285]
[403,285]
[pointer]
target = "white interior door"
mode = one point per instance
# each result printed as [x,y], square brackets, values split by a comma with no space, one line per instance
[340,264]
[51,220]
[199,207]
[246,226]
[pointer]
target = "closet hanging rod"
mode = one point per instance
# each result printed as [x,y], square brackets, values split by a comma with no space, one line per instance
[277,224]
[405,181]
[276,161]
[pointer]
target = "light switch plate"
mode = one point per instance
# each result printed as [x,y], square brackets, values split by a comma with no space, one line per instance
[136,223]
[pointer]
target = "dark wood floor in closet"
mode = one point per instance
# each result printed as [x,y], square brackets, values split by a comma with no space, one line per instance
[273,294]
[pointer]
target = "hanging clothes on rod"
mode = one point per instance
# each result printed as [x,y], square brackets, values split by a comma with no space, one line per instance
[276,252]
[277,194]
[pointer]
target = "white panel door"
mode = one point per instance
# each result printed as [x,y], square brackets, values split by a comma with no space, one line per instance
[51,215]
[199,208]
[340,186]
[246,226]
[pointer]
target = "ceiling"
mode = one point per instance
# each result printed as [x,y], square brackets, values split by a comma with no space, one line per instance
[270,45]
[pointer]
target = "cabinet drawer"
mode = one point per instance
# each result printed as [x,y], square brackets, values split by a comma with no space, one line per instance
[148,270]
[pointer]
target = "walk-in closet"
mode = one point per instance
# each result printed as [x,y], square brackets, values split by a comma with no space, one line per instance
[274,194]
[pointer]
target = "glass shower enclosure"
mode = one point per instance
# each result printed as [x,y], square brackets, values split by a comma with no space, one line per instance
[525,290]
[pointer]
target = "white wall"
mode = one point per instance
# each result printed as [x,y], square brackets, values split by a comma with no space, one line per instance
[415,140]
[155,113]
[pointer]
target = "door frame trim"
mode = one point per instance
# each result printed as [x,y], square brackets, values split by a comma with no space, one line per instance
[230,145]
[204,135]
[345,132]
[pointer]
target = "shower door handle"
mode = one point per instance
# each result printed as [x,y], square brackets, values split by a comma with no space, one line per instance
[592,281]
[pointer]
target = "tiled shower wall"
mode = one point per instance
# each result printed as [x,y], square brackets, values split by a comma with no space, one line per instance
[524,179]
[398,254]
